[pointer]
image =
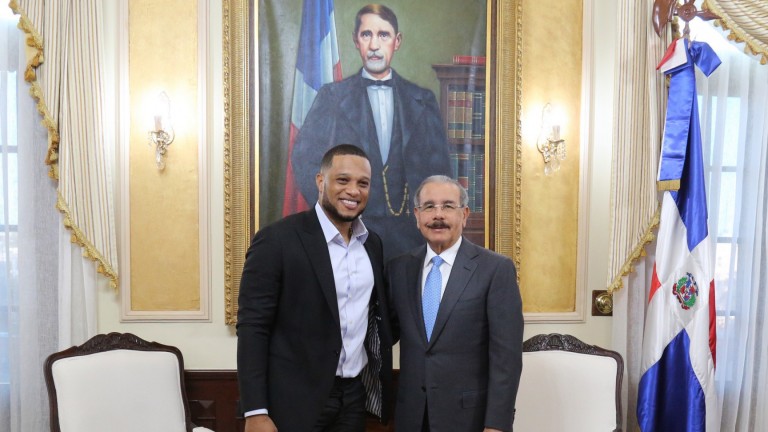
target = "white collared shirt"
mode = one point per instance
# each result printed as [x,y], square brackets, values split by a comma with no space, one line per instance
[448,256]
[382,101]
[353,276]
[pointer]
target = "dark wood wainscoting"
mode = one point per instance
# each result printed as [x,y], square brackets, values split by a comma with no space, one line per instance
[214,398]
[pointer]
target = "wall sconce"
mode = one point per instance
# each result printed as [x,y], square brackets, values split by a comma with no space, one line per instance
[162,133]
[549,143]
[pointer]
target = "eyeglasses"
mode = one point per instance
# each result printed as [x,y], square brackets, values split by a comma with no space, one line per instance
[430,208]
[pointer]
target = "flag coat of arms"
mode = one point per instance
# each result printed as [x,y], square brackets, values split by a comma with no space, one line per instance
[677,390]
[317,63]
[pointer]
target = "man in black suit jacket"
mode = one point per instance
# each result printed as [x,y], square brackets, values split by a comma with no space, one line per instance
[312,325]
[458,314]
[396,122]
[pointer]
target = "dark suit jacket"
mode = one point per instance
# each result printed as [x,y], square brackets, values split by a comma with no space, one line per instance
[341,114]
[468,373]
[288,330]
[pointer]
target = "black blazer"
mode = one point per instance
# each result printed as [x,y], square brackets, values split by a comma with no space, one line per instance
[289,337]
[468,373]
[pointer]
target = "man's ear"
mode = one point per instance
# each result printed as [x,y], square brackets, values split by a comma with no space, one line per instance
[398,40]
[354,40]
[319,182]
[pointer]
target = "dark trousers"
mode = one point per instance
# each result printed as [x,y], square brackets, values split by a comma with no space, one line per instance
[345,409]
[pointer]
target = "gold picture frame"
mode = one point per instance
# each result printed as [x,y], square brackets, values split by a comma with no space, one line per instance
[503,161]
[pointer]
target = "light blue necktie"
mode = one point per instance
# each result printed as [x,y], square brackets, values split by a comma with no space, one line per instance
[430,300]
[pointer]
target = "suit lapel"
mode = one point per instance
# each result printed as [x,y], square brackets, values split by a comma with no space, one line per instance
[413,278]
[461,273]
[361,120]
[407,110]
[375,264]
[316,248]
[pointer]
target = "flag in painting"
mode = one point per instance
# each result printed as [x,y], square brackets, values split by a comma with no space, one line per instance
[317,63]
[677,390]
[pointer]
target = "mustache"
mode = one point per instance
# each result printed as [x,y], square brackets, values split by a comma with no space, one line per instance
[437,224]
[372,54]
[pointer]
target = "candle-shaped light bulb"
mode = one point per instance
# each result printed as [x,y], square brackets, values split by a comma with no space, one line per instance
[162,112]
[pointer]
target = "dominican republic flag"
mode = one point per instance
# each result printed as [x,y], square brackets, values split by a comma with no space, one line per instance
[317,63]
[677,386]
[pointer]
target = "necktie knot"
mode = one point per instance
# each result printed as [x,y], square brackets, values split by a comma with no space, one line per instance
[370,82]
[437,261]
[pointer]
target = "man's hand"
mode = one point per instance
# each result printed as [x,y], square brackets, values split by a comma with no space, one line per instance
[259,423]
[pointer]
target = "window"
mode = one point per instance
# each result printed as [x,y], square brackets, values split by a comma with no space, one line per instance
[734,130]
[9,201]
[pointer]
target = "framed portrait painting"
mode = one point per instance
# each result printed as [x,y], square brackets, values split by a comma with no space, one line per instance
[292,71]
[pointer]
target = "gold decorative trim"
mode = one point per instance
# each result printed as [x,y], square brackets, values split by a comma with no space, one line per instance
[236,150]
[35,59]
[668,185]
[637,253]
[89,250]
[735,34]
[508,136]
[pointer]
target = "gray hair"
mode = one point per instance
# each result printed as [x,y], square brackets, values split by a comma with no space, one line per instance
[463,197]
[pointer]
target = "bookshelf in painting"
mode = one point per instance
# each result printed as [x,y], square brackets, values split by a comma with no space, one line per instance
[462,105]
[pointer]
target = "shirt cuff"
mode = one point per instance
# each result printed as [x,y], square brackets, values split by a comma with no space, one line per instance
[255,412]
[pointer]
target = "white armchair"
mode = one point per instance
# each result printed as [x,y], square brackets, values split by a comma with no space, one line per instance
[119,383]
[568,385]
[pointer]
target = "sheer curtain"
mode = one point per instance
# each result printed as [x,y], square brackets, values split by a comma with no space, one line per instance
[734,120]
[28,245]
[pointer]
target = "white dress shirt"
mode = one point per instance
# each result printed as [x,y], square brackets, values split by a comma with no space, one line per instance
[353,274]
[383,106]
[448,256]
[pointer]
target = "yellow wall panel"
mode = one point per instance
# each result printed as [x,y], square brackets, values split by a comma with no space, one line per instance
[164,207]
[552,69]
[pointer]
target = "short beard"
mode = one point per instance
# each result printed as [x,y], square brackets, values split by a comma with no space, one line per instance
[333,213]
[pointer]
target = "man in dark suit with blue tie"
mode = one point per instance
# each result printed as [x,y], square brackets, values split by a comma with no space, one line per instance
[395,121]
[458,314]
[313,340]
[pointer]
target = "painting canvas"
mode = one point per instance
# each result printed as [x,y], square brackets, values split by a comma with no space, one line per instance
[444,52]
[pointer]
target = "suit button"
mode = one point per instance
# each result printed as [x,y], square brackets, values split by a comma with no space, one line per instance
[336,352]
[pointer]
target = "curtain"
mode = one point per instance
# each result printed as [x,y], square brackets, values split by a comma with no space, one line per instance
[62,233]
[638,121]
[29,241]
[734,120]
[65,71]
[639,105]
[628,324]
[745,21]
[64,68]
[734,126]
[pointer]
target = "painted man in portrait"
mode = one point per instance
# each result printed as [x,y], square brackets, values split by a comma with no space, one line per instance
[395,121]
